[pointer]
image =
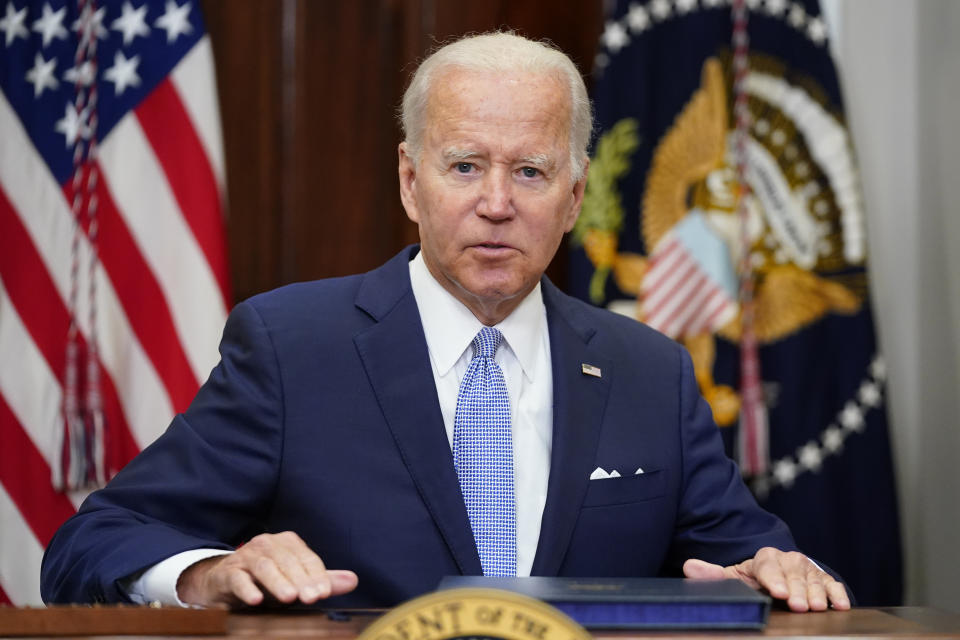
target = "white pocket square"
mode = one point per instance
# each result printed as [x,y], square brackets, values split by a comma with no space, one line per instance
[600,473]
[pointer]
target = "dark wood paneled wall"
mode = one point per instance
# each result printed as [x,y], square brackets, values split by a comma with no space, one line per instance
[308,96]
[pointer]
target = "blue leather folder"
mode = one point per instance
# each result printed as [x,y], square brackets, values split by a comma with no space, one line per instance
[638,603]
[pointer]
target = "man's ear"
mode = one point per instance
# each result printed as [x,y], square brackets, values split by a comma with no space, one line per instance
[407,171]
[578,189]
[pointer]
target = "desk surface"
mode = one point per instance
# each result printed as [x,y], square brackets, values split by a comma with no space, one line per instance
[899,622]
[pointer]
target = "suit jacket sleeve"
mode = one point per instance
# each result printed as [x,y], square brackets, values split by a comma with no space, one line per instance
[213,473]
[718,519]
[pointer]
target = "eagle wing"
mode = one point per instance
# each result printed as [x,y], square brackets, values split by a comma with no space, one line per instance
[790,298]
[693,147]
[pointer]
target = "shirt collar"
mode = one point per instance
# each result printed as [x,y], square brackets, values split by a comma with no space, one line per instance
[449,326]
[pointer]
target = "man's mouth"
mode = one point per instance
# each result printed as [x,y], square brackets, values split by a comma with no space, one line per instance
[492,245]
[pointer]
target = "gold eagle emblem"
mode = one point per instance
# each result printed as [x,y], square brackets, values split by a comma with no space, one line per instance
[794,228]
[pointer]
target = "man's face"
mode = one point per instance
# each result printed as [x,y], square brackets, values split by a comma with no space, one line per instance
[492,192]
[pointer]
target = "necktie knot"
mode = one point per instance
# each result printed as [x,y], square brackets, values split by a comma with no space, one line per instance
[486,342]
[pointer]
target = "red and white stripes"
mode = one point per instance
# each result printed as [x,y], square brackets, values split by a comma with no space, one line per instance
[143,281]
[679,297]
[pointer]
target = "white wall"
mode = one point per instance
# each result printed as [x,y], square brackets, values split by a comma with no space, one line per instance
[900,71]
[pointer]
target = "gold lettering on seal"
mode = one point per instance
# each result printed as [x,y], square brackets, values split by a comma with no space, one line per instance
[458,614]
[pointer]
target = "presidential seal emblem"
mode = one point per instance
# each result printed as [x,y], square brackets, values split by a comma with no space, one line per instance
[724,209]
[805,226]
[474,614]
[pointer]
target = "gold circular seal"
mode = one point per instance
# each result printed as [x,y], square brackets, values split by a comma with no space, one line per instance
[474,614]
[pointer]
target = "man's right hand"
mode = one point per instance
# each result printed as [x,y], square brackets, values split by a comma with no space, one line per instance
[280,565]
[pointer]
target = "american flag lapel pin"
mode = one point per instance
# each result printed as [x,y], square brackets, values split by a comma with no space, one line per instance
[590,370]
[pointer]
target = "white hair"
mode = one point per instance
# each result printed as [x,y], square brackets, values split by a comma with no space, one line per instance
[499,52]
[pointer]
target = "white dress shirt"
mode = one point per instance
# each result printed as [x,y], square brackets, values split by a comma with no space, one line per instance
[449,327]
[524,358]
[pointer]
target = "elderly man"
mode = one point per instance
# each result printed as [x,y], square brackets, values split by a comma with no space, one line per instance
[450,412]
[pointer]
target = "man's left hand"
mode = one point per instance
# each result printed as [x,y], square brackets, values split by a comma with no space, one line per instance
[789,576]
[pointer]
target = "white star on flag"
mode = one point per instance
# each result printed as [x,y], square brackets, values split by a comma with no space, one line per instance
[776,7]
[123,73]
[761,486]
[50,24]
[811,457]
[600,61]
[785,471]
[852,417]
[638,18]
[12,24]
[615,37]
[817,30]
[833,439]
[175,20]
[797,16]
[131,23]
[41,75]
[91,23]
[660,9]
[686,6]
[869,394]
[73,125]
[83,76]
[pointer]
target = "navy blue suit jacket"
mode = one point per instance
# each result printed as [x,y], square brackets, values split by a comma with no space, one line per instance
[322,418]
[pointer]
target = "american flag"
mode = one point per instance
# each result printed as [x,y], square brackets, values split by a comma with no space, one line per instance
[113,272]
[688,287]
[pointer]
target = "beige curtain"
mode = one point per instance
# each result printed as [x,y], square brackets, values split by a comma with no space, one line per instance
[900,70]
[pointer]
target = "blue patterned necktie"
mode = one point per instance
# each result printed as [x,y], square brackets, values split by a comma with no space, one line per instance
[483,456]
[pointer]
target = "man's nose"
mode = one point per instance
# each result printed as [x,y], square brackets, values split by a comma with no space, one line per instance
[496,199]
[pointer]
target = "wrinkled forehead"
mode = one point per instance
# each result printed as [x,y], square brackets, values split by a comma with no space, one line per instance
[497,96]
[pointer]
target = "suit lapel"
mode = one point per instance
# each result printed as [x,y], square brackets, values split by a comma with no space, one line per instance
[579,401]
[394,354]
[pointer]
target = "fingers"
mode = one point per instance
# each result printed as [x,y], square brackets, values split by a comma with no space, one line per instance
[279,565]
[241,585]
[307,571]
[793,577]
[816,593]
[789,576]
[769,574]
[284,566]
[277,573]
[837,593]
[702,570]
[342,581]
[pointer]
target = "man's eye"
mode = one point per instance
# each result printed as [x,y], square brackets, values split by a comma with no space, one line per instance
[530,172]
[464,167]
